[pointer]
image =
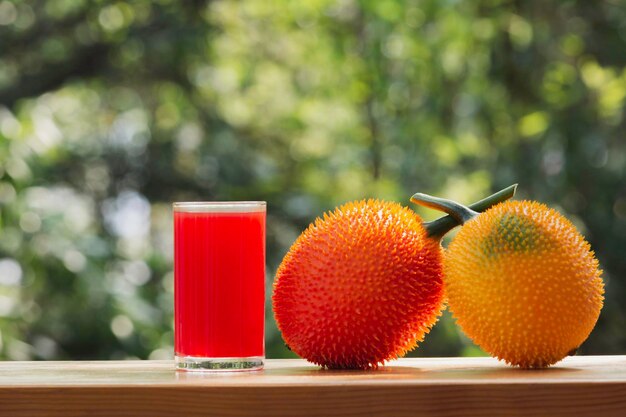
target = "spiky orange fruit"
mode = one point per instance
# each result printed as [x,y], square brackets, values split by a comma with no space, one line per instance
[523,283]
[360,286]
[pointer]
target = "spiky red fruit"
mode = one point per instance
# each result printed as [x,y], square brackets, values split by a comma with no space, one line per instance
[361,286]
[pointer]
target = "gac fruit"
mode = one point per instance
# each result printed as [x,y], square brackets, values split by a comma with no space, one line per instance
[522,283]
[360,286]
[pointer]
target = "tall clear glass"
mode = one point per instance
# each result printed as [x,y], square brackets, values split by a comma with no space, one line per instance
[219,274]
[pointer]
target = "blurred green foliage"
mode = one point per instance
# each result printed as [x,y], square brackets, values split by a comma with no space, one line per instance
[110,110]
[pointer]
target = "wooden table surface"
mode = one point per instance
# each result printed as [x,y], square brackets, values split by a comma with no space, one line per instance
[577,386]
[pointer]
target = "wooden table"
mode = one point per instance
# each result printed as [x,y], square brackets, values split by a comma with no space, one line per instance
[578,386]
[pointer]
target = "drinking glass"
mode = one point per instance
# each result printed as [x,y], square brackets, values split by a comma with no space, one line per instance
[219,274]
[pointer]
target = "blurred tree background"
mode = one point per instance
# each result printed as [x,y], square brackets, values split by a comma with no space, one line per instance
[111,110]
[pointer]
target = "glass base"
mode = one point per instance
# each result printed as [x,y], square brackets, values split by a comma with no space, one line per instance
[200,364]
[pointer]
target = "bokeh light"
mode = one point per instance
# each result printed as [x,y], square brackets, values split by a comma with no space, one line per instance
[111,110]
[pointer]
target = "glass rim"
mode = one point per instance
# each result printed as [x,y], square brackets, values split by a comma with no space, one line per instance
[219,206]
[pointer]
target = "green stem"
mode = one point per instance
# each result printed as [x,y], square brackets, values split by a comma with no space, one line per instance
[457,213]
[460,212]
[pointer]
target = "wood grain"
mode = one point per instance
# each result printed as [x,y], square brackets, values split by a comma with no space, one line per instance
[578,386]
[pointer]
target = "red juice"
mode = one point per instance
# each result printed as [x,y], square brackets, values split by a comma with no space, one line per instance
[219,267]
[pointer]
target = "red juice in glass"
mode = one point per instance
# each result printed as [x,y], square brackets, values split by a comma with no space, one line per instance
[219,274]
